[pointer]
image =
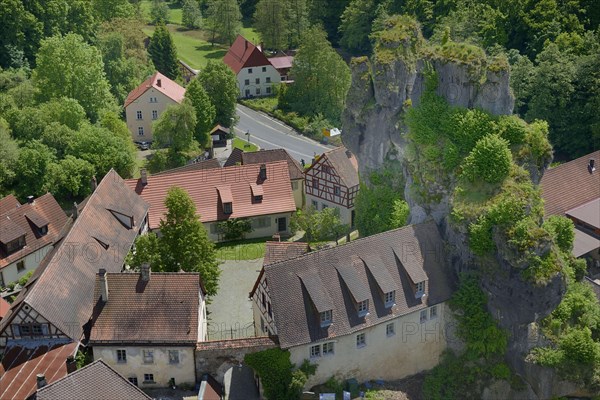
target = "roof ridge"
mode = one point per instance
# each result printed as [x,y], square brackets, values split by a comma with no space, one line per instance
[347,243]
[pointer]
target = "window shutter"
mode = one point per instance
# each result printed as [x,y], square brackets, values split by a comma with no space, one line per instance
[44,329]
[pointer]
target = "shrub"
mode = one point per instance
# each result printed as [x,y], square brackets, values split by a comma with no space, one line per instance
[480,237]
[579,346]
[512,128]
[234,228]
[490,160]
[563,230]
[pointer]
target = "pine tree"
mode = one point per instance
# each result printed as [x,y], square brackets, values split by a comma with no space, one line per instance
[163,52]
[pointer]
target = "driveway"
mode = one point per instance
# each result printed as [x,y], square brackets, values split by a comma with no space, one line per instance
[230,311]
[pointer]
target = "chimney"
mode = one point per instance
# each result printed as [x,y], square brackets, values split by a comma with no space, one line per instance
[145,272]
[591,165]
[348,153]
[30,199]
[94,183]
[103,285]
[144,176]
[41,381]
[263,172]
[159,82]
[75,210]
[71,364]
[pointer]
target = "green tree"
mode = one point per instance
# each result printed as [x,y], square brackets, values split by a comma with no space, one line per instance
[400,213]
[183,243]
[9,154]
[32,168]
[19,31]
[319,225]
[69,67]
[58,137]
[175,128]
[220,83]
[563,230]
[271,23]
[159,12]
[490,160]
[321,77]
[297,20]
[163,52]
[70,178]
[223,19]
[191,16]
[205,111]
[327,13]
[105,10]
[356,23]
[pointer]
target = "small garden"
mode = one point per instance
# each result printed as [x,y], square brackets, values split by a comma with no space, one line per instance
[242,249]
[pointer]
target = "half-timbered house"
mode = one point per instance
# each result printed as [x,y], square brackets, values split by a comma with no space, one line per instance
[332,181]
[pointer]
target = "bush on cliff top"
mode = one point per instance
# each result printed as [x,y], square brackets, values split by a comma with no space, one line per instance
[489,160]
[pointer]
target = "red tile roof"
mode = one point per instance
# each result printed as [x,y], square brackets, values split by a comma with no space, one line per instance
[570,185]
[7,203]
[244,54]
[4,307]
[265,156]
[203,185]
[163,309]
[282,62]
[63,291]
[169,88]
[206,164]
[22,363]
[97,381]
[25,219]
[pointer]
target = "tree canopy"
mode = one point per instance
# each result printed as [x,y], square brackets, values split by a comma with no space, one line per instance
[204,109]
[220,84]
[163,52]
[223,20]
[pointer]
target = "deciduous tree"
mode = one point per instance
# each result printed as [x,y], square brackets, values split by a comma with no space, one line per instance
[220,83]
[205,111]
[223,20]
[175,128]
[191,16]
[70,178]
[271,23]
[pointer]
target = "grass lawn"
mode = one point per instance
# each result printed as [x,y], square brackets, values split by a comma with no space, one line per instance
[174,11]
[250,249]
[243,145]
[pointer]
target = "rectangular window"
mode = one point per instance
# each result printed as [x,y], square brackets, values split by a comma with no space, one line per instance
[140,131]
[390,298]
[249,70]
[268,79]
[21,265]
[327,348]
[423,316]
[315,183]
[154,114]
[148,378]
[247,92]
[257,90]
[363,308]
[121,356]
[173,356]
[153,100]
[227,208]
[246,82]
[43,230]
[257,81]
[264,69]
[326,317]
[420,287]
[36,329]
[270,311]
[315,204]
[315,351]
[390,329]
[264,300]
[433,312]
[148,356]
[361,340]
[269,90]
[133,380]
[282,78]
[139,115]
[337,191]
[324,206]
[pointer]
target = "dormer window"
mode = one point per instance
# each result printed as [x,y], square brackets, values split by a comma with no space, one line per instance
[390,299]
[227,208]
[326,318]
[43,230]
[15,245]
[363,308]
[420,289]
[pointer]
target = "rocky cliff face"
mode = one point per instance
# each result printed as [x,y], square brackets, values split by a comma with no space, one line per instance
[373,128]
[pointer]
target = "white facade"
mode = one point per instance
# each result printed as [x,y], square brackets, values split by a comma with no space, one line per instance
[15,270]
[162,365]
[258,81]
[413,346]
[262,226]
[149,106]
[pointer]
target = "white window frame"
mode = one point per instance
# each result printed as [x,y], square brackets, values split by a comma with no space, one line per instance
[363,308]
[154,114]
[328,348]
[174,357]
[139,115]
[433,312]
[361,340]
[423,316]
[390,298]
[121,356]
[140,131]
[315,351]
[151,380]
[326,318]
[390,329]
[148,356]
[420,287]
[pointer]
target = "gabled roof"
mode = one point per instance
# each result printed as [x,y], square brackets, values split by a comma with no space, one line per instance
[197,166]
[244,54]
[7,203]
[235,158]
[282,62]
[343,162]
[62,292]
[169,88]
[588,213]
[570,185]
[302,286]
[265,156]
[163,309]
[97,381]
[25,359]
[279,251]
[203,187]
[25,220]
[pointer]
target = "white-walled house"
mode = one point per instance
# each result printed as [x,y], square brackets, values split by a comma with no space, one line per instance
[260,193]
[374,308]
[255,74]
[27,233]
[147,325]
[332,181]
[146,103]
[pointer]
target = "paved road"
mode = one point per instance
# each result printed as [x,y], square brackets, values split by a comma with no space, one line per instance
[272,134]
